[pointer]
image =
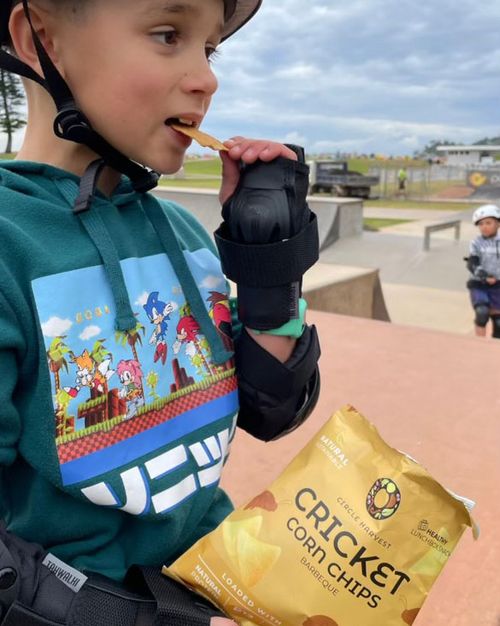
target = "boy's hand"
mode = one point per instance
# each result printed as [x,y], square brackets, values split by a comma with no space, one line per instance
[248,151]
[222,621]
[491,280]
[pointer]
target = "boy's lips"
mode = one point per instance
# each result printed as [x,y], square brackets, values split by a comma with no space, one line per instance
[179,137]
[184,120]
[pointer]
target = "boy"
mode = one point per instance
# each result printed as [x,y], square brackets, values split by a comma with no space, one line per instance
[112,441]
[484,265]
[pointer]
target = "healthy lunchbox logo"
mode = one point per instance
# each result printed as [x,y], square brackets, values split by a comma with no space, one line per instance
[383,499]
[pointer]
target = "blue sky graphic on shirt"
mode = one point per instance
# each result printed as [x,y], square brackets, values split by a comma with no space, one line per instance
[146,386]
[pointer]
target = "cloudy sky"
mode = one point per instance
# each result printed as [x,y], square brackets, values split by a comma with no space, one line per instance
[362,75]
[383,76]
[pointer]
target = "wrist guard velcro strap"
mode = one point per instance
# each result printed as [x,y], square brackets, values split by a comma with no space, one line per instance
[276,397]
[268,276]
[268,239]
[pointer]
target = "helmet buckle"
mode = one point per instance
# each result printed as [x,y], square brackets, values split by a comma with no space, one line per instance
[71,124]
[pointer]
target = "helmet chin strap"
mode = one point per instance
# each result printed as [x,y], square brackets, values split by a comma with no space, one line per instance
[70,123]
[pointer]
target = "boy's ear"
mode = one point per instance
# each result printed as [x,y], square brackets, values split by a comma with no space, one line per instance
[21,36]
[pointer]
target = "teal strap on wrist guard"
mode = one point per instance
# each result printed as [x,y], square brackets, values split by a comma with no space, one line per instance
[293,328]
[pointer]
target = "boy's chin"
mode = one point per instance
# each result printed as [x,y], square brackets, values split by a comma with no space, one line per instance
[166,166]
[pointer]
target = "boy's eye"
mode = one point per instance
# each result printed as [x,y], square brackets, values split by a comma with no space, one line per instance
[167,37]
[211,53]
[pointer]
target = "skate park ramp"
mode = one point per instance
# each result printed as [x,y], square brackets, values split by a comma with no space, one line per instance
[424,288]
[337,217]
[420,389]
[346,290]
[330,287]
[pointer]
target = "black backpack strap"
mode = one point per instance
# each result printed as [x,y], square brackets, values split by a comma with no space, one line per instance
[176,605]
[70,122]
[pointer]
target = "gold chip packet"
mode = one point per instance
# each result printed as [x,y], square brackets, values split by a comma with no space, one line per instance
[352,532]
[204,139]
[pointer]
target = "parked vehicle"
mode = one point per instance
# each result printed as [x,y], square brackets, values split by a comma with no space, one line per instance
[336,178]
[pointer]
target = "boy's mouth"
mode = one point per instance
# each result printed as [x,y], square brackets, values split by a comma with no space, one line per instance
[180,121]
[189,128]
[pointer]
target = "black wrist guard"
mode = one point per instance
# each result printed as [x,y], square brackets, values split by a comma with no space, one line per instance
[268,239]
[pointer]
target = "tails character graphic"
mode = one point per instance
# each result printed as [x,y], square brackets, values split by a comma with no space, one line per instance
[131,376]
[91,375]
[158,313]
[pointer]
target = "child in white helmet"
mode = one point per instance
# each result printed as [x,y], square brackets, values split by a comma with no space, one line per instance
[484,265]
[124,368]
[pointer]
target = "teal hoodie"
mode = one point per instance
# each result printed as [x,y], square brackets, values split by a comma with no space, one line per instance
[118,395]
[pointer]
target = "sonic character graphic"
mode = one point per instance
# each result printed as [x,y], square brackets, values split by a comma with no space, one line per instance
[131,376]
[90,375]
[158,313]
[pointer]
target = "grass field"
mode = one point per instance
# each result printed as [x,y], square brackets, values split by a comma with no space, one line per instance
[375,223]
[193,183]
[212,167]
[419,204]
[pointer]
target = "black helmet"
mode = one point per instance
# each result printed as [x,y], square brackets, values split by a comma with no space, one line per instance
[71,123]
[237,14]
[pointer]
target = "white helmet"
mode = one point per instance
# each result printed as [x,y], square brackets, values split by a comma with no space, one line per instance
[486,210]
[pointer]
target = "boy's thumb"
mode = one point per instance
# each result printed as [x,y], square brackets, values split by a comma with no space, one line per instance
[230,177]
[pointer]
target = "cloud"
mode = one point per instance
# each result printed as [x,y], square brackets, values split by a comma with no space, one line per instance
[55,327]
[211,282]
[142,299]
[89,332]
[386,63]
[306,69]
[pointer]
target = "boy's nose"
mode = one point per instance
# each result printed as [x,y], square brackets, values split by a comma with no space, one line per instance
[200,78]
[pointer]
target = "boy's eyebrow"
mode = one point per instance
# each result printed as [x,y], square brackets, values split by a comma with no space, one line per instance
[173,7]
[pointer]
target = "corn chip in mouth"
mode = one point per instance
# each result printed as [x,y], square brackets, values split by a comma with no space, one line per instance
[204,139]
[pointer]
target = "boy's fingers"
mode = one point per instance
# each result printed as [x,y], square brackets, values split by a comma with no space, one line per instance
[249,150]
[230,177]
[222,621]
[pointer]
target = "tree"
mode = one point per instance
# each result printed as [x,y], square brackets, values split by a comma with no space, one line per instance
[56,355]
[11,98]
[99,352]
[132,337]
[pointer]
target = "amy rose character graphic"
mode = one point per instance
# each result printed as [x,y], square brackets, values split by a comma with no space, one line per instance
[158,313]
[90,375]
[131,376]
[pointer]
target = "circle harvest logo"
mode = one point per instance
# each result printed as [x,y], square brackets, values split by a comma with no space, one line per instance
[383,499]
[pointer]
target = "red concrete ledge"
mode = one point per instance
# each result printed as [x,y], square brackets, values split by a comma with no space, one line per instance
[433,395]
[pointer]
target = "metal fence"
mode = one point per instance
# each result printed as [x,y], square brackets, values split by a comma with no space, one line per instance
[424,183]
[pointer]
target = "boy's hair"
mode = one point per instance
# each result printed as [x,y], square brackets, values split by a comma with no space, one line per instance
[71,7]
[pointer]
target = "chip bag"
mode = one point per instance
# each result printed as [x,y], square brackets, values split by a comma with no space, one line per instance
[352,532]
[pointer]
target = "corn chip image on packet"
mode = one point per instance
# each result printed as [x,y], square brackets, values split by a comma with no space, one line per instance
[353,532]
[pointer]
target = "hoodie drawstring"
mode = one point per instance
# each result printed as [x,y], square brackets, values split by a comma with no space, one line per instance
[170,244]
[96,230]
[98,233]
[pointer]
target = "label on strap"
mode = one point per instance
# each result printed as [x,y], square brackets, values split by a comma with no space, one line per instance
[68,575]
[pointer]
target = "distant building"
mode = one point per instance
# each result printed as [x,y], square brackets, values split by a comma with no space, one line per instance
[469,155]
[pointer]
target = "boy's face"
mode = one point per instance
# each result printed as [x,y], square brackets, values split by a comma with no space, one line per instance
[132,65]
[488,227]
